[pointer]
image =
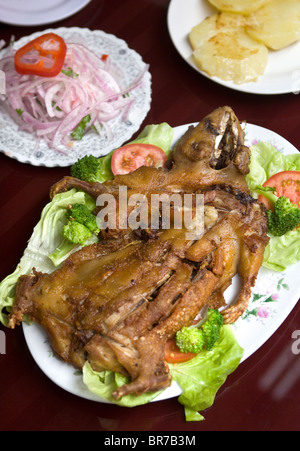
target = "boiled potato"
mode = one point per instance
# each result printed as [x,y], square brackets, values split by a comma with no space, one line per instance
[276,24]
[222,48]
[214,24]
[238,6]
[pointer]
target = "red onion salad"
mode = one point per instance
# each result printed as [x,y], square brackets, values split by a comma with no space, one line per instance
[60,109]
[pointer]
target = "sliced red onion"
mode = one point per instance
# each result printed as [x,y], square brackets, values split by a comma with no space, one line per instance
[51,107]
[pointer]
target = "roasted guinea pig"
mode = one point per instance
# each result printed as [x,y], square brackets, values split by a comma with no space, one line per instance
[116,303]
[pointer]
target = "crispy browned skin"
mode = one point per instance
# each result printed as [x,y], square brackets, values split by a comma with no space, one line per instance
[117,302]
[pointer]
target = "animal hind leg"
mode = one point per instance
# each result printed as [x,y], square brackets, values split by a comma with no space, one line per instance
[249,265]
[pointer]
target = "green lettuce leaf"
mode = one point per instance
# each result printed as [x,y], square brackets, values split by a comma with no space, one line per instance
[160,135]
[266,161]
[45,238]
[199,378]
[104,383]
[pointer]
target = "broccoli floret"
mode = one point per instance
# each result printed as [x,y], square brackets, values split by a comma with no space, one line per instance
[81,224]
[93,169]
[81,214]
[284,216]
[81,229]
[211,333]
[195,338]
[76,233]
[86,168]
[190,339]
[214,317]
[211,328]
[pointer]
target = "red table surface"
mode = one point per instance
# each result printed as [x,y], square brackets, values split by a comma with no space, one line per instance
[29,400]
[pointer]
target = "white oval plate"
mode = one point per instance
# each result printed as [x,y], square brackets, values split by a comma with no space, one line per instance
[32,12]
[21,145]
[282,74]
[274,296]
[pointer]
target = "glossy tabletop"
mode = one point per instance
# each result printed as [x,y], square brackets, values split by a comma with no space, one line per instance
[263,393]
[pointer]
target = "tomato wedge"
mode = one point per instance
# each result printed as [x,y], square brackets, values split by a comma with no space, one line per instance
[132,156]
[287,184]
[174,355]
[43,56]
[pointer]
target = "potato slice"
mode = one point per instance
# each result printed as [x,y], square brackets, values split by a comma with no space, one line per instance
[222,48]
[238,6]
[276,24]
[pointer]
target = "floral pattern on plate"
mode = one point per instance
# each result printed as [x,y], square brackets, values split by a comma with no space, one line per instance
[263,303]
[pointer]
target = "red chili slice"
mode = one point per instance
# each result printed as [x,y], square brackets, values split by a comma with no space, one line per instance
[43,56]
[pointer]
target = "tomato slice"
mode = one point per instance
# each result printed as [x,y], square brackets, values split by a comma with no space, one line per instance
[174,355]
[287,184]
[132,156]
[43,56]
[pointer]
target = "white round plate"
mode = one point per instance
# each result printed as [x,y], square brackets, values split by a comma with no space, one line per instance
[274,296]
[33,12]
[21,145]
[282,74]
